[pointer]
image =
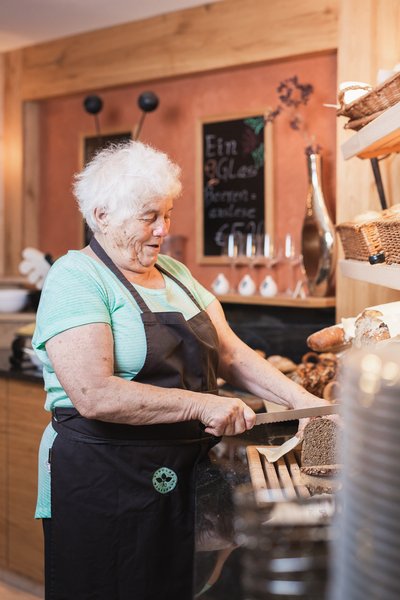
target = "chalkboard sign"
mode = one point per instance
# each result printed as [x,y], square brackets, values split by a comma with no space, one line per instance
[235,182]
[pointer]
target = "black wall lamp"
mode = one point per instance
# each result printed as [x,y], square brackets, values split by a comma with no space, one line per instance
[93,105]
[147,102]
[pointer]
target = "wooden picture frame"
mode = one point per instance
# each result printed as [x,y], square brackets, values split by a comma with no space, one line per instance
[234,180]
[89,146]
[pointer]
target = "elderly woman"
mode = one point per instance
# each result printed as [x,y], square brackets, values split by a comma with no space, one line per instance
[131,346]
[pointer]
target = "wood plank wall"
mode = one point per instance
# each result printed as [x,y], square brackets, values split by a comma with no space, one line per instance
[231,32]
[2,202]
[368,40]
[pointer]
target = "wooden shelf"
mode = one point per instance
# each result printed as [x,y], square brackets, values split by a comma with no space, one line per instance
[279,300]
[381,136]
[385,275]
[23,317]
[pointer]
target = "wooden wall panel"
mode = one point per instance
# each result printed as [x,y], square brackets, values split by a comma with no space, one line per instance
[2,199]
[3,474]
[31,181]
[27,420]
[368,40]
[13,164]
[213,36]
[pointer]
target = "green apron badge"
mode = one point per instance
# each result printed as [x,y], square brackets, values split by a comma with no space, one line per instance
[164,480]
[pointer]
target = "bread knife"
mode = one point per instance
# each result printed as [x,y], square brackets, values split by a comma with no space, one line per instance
[293,414]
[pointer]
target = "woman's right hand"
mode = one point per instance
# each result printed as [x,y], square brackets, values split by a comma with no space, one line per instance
[225,416]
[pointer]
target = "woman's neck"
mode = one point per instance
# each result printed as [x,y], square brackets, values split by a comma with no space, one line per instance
[148,277]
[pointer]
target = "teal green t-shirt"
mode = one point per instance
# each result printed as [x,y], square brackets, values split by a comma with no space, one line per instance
[79,290]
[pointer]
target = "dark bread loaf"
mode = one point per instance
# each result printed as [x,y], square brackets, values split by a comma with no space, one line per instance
[320,443]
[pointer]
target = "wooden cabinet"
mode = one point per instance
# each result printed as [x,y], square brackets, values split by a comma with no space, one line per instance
[21,548]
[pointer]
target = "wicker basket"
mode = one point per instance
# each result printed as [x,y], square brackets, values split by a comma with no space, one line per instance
[360,241]
[371,105]
[389,233]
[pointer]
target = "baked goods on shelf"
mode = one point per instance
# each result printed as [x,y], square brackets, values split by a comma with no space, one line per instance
[329,339]
[371,326]
[283,364]
[315,372]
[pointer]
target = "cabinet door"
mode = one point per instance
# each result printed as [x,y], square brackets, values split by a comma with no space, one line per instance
[3,473]
[27,420]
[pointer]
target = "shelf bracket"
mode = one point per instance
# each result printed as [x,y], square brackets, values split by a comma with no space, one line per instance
[378,180]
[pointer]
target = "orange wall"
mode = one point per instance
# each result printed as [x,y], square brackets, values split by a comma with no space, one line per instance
[172,128]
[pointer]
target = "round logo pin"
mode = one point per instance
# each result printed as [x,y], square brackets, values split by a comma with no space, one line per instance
[164,480]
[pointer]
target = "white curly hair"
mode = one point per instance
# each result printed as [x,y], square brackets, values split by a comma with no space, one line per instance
[123,177]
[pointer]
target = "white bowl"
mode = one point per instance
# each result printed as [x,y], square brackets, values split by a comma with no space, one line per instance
[12,299]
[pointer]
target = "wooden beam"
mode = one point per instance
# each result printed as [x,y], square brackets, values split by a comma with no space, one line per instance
[213,36]
[2,200]
[13,163]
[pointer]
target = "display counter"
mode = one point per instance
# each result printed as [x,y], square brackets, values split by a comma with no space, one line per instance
[22,420]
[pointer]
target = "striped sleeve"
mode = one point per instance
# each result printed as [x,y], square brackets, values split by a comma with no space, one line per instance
[72,296]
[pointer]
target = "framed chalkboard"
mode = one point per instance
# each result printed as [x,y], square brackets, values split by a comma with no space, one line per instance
[92,144]
[234,192]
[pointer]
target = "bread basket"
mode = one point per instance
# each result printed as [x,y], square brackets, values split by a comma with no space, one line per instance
[372,104]
[361,241]
[389,234]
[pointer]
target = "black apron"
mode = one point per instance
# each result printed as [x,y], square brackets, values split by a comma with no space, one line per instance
[122,496]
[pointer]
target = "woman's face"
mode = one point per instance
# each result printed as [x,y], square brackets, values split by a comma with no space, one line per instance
[136,242]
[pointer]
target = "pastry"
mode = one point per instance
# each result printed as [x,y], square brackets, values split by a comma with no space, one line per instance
[283,364]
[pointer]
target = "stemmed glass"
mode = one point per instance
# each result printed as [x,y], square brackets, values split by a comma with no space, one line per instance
[247,285]
[232,251]
[293,260]
[268,258]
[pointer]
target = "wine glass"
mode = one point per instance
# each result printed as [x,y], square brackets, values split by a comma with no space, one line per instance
[267,257]
[231,250]
[247,285]
[292,259]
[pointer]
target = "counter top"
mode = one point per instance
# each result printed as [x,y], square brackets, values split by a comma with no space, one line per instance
[23,374]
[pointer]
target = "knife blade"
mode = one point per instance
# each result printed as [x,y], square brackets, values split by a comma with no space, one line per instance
[292,414]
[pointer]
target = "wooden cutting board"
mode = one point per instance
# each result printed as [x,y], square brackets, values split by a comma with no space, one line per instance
[283,480]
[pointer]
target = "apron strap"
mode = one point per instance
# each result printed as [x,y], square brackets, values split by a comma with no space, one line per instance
[102,254]
[185,289]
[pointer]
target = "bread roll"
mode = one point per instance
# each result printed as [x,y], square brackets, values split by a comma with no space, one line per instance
[370,328]
[331,391]
[283,364]
[327,339]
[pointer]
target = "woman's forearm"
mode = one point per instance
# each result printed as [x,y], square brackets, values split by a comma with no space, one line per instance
[119,400]
[242,367]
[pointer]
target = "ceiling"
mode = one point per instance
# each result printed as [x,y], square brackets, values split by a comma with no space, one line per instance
[28,22]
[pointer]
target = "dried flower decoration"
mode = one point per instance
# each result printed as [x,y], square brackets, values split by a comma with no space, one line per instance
[292,94]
